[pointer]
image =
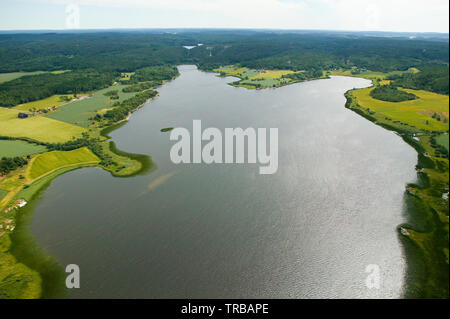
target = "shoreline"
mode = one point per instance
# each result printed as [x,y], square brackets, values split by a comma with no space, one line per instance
[25,249]
[23,246]
[423,235]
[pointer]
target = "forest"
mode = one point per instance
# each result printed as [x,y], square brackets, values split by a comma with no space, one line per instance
[431,78]
[96,59]
[37,87]
[8,164]
[391,94]
[129,51]
[121,110]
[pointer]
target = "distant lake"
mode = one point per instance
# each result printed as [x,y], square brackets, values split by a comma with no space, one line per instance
[224,231]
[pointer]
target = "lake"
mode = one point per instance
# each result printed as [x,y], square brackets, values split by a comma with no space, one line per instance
[224,230]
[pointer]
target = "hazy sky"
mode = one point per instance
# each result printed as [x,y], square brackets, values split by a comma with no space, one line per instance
[376,15]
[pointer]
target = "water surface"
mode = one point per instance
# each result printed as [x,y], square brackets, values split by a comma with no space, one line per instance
[224,231]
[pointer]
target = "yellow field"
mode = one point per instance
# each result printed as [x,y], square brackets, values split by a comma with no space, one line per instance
[231,71]
[48,162]
[44,103]
[60,71]
[37,128]
[371,75]
[414,112]
[272,74]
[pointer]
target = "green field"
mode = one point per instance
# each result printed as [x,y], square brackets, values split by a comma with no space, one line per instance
[79,112]
[11,148]
[4,77]
[443,140]
[51,101]
[418,113]
[60,71]
[37,128]
[48,162]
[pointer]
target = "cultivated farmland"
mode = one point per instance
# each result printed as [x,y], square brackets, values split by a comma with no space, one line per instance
[13,148]
[421,113]
[79,112]
[48,162]
[55,100]
[36,128]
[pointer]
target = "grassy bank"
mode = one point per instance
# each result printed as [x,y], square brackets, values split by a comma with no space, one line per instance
[425,236]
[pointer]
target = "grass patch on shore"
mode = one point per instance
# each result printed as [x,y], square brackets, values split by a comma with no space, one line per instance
[36,128]
[127,164]
[47,162]
[17,281]
[13,148]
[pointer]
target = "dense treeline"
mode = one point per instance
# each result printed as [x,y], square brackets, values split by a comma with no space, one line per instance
[431,78]
[129,51]
[391,94]
[304,76]
[8,164]
[36,87]
[141,86]
[121,110]
[97,58]
[103,51]
[154,73]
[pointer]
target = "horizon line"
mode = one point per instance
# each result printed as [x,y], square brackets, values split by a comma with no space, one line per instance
[210,28]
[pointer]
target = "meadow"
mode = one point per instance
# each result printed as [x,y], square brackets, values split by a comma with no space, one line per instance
[418,113]
[50,161]
[5,77]
[13,148]
[54,100]
[443,140]
[37,127]
[79,112]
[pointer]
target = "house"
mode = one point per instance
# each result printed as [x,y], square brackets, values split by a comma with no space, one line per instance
[22,115]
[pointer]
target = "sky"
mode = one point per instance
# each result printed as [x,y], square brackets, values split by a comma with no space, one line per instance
[355,15]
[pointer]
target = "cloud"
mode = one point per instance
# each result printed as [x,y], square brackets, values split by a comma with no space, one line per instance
[386,15]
